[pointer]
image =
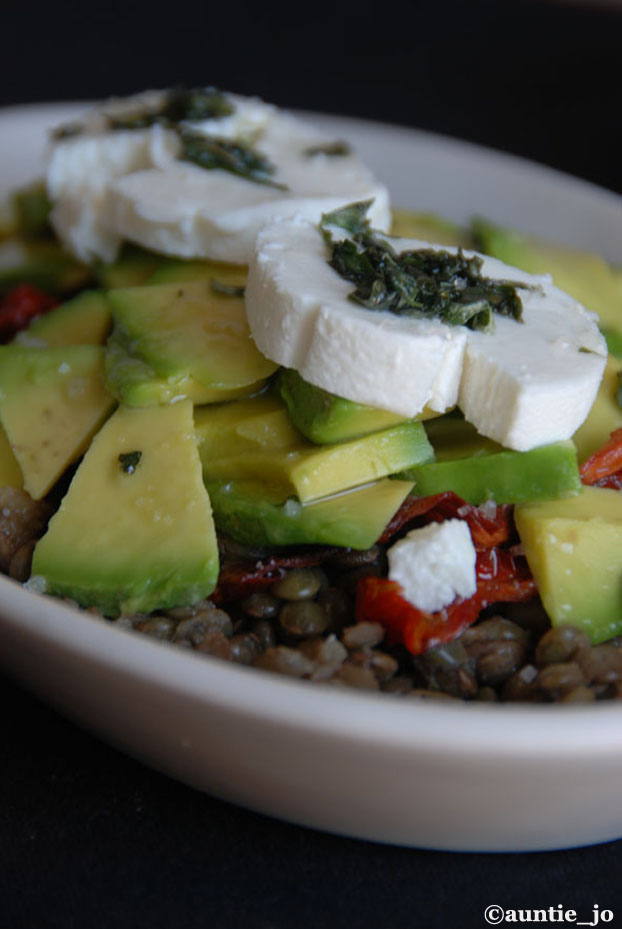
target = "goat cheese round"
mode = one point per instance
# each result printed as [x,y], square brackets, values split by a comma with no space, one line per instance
[525,384]
[111,184]
[435,564]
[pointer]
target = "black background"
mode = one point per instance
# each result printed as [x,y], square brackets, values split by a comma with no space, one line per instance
[90,838]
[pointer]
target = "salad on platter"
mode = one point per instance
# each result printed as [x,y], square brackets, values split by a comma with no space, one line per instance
[251,408]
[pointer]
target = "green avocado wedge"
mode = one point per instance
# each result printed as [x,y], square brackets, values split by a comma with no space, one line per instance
[429,227]
[173,271]
[323,417]
[310,472]
[134,532]
[190,329]
[83,320]
[134,382]
[477,469]
[353,519]
[585,276]
[574,550]
[133,267]
[52,401]
[42,263]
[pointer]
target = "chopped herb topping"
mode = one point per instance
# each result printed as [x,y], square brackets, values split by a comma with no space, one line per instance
[180,106]
[67,131]
[209,152]
[227,290]
[338,148]
[128,461]
[423,283]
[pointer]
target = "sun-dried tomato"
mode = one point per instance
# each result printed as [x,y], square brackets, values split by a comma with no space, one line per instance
[486,530]
[604,467]
[501,577]
[20,306]
[239,579]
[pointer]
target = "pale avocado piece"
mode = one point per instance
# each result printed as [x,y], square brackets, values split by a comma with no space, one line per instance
[586,277]
[32,208]
[41,263]
[245,425]
[430,228]
[52,401]
[312,471]
[605,415]
[133,267]
[134,532]
[477,469]
[135,383]
[181,329]
[354,519]
[83,320]
[10,471]
[574,550]
[323,417]
[173,271]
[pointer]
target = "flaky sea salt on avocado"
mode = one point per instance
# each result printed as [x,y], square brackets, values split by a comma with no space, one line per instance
[135,531]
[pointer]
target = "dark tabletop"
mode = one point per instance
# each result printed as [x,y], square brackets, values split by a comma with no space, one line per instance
[89,837]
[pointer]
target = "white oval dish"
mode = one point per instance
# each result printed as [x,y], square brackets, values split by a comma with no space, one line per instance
[437,775]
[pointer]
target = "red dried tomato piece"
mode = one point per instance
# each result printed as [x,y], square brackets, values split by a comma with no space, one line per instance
[21,305]
[501,577]
[242,578]
[605,465]
[486,531]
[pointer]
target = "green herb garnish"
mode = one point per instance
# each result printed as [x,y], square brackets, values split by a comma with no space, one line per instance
[67,131]
[227,290]
[179,105]
[128,461]
[423,283]
[333,149]
[209,152]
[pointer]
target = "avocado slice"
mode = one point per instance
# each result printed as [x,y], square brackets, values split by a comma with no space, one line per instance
[323,417]
[478,469]
[574,550]
[135,531]
[41,263]
[189,329]
[586,277]
[52,401]
[245,425]
[32,207]
[605,415]
[310,472]
[10,471]
[173,271]
[353,519]
[133,267]
[83,320]
[135,383]
[429,227]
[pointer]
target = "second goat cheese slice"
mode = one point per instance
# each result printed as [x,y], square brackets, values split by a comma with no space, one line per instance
[527,383]
[435,564]
[111,179]
[300,316]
